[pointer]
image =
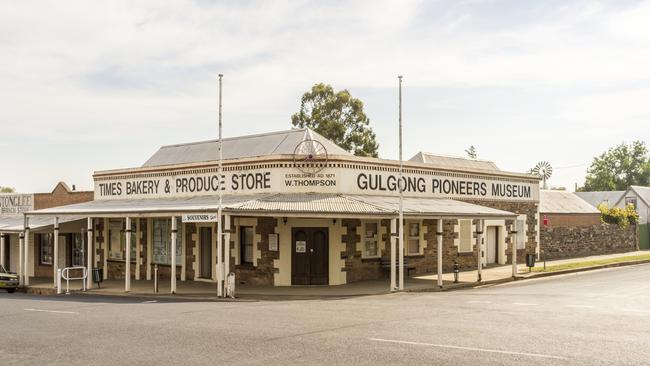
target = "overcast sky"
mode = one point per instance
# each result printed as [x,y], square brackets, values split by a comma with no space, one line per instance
[88,85]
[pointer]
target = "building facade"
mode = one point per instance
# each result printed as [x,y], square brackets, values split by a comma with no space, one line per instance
[298,210]
[39,232]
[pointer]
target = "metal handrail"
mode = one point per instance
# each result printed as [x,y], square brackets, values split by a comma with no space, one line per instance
[64,275]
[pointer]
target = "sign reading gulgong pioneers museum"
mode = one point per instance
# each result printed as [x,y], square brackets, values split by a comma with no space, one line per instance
[183,183]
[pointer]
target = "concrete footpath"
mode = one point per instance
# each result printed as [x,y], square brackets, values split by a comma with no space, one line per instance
[200,290]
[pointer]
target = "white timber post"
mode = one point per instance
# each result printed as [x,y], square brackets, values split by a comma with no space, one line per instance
[226,240]
[2,250]
[26,258]
[513,245]
[439,238]
[393,254]
[105,244]
[219,255]
[89,254]
[138,233]
[21,246]
[127,266]
[149,248]
[173,254]
[55,267]
[479,238]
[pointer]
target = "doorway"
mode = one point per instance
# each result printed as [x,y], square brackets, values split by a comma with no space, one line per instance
[206,252]
[310,256]
[492,249]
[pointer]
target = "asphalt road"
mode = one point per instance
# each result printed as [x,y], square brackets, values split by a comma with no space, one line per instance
[592,318]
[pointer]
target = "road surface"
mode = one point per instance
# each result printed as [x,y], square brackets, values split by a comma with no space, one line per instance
[592,318]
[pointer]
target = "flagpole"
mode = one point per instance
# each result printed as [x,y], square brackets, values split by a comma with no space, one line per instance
[401,195]
[220,274]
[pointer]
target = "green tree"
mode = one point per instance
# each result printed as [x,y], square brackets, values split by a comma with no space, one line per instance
[339,117]
[618,168]
[6,190]
[471,152]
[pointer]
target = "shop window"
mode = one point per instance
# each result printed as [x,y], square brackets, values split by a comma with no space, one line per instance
[134,240]
[77,244]
[521,234]
[246,236]
[162,229]
[371,240]
[46,244]
[465,236]
[413,238]
[117,241]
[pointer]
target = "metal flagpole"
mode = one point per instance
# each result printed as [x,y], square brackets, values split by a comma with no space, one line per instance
[401,195]
[220,208]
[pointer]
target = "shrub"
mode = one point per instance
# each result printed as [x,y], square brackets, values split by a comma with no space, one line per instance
[622,217]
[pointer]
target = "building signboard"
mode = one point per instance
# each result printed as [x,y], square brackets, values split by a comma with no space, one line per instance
[331,180]
[200,217]
[15,204]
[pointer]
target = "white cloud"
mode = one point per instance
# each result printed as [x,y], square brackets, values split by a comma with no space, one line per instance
[103,75]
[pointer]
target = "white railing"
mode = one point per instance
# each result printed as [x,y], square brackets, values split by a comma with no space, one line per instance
[64,273]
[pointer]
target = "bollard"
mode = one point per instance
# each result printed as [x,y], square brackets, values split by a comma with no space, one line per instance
[58,281]
[155,278]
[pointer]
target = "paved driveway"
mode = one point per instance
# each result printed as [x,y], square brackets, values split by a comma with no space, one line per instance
[594,318]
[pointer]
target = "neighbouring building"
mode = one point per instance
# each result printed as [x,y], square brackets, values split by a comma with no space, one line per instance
[639,197]
[299,210]
[572,228]
[39,232]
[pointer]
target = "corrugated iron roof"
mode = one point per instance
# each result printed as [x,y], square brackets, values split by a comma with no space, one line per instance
[273,143]
[450,162]
[15,223]
[596,198]
[563,202]
[307,203]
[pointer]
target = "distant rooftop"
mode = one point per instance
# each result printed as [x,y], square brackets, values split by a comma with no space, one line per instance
[445,161]
[273,143]
[596,198]
[551,201]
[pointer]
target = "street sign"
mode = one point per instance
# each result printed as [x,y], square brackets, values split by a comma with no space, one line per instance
[200,217]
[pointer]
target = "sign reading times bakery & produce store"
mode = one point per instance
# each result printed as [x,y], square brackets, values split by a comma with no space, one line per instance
[14,204]
[330,180]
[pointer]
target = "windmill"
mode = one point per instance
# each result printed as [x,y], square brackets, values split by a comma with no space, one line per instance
[544,170]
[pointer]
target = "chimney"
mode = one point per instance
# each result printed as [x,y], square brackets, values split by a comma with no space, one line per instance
[74,188]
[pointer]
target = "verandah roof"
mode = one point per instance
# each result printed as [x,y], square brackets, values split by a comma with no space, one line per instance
[303,204]
[15,223]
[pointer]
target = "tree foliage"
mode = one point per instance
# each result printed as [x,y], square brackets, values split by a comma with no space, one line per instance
[618,168]
[471,152]
[6,190]
[339,117]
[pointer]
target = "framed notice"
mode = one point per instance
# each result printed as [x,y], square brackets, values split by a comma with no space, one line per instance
[301,246]
[273,242]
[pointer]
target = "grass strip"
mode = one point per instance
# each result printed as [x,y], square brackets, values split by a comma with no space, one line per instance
[596,262]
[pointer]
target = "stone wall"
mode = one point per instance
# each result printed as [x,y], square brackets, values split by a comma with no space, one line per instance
[581,241]
[262,274]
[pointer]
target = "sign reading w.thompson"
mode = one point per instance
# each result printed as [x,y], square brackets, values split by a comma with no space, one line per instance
[330,180]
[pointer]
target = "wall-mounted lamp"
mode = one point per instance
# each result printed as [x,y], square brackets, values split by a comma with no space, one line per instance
[284,219]
[334,221]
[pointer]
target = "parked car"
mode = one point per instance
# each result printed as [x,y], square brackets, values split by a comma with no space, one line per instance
[8,280]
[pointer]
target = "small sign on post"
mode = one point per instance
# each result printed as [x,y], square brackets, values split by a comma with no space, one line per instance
[200,217]
[301,246]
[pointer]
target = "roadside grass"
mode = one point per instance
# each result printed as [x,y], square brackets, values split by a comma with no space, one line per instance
[597,262]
